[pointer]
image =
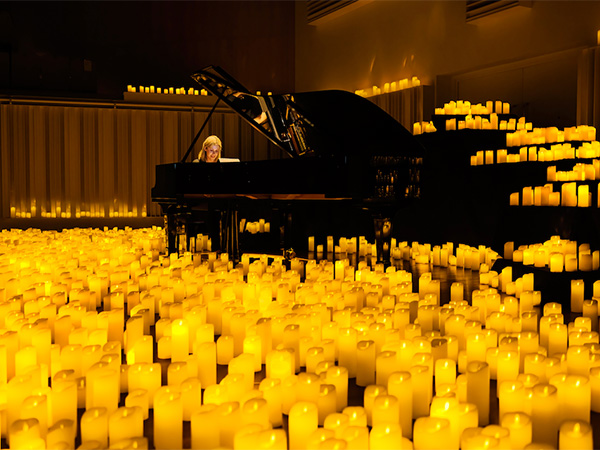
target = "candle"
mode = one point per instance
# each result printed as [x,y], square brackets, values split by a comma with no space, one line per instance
[478,389]
[400,386]
[385,437]
[366,361]
[433,433]
[205,427]
[326,402]
[577,397]
[94,426]
[577,294]
[512,397]
[168,418]
[25,433]
[303,420]
[575,434]
[386,409]
[520,428]
[544,416]
[338,376]
[125,423]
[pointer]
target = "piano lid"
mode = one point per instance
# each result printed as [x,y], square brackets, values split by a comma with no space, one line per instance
[321,123]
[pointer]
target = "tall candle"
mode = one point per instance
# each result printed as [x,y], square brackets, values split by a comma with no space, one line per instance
[544,416]
[303,420]
[478,389]
[168,418]
[205,427]
[271,389]
[94,426]
[400,386]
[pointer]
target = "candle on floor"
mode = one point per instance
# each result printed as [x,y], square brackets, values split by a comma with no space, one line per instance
[433,433]
[400,386]
[478,389]
[303,420]
[575,434]
[125,423]
[94,426]
[385,437]
[205,427]
[544,416]
[520,427]
[168,418]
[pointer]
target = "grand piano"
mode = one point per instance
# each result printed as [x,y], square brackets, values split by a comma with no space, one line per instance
[344,157]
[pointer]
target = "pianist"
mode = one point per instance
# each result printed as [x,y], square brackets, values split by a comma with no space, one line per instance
[211,150]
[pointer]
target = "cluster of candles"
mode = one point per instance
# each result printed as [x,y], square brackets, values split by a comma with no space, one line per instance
[558,255]
[465,108]
[423,127]
[170,90]
[482,123]
[87,313]
[571,195]
[260,226]
[55,210]
[393,86]
[550,135]
[556,152]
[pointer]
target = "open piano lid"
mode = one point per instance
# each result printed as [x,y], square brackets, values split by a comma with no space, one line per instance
[323,123]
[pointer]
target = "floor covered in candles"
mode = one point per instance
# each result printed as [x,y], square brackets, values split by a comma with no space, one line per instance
[107,282]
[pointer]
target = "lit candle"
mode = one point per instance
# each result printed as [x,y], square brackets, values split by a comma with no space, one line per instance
[125,423]
[478,389]
[365,374]
[386,409]
[168,418]
[575,434]
[205,427]
[385,437]
[94,426]
[400,386]
[303,420]
[520,428]
[338,376]
[433,433]
[544,416]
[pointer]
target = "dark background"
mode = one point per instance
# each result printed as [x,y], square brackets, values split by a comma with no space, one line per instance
[96,48]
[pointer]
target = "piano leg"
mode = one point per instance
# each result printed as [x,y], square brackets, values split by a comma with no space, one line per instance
[171,232]
[383,235]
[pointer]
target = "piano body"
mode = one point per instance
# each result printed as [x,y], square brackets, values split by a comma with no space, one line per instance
[343,154]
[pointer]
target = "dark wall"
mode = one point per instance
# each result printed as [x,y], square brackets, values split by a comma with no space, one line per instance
[87,48]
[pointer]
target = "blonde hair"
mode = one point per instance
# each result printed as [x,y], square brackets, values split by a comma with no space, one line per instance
[209,142]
